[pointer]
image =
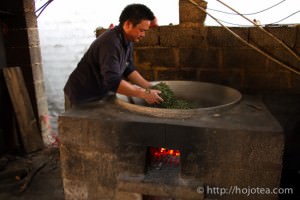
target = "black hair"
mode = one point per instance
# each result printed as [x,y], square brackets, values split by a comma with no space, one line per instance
[135,13]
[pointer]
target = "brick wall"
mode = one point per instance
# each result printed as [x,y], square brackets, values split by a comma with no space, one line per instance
[213,54]
[191,51]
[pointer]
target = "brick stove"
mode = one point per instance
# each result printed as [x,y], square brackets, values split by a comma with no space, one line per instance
[110,151]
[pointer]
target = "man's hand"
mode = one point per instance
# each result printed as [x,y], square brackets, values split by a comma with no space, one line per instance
[152,96]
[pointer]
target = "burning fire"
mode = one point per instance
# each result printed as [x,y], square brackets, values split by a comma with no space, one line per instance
[164,157]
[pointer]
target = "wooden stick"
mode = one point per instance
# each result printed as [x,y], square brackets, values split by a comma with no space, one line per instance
[29,131]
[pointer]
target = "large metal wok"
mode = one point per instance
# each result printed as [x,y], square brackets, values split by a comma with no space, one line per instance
[206,97]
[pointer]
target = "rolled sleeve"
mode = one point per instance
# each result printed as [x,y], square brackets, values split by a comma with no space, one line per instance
[128,71]
[111,75]
[112,82]
[110,67]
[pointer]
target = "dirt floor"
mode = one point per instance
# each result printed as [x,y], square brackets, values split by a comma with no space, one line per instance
[32,177]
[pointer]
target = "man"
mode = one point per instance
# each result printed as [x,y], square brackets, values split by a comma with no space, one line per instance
[108,62]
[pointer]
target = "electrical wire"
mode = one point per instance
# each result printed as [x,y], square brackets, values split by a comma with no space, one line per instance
[268,24]
[231,23]
[42,8]
[283,18]
[254,13]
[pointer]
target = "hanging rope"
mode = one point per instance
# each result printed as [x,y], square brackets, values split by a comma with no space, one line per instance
[245,42]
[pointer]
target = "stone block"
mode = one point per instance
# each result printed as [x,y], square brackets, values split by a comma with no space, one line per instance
[297,50]
[148,74]
[166,57]
[43,108]
[84,131]
[264,82]
[136,155]
[285,34]
[35,54]
[153,134]
[99,31]
[188,12]
[37,71]
[245,58]
[39,88]
[200,58]
[186,189]
[88,169]
[128,196]
[295,82]
[178,36]
[72,163]
[220,37]
[176,74]
[284,57]
[251,180]
[187,74]
[31,18]
[166,74]
[75,189]
[29,5]
[232,78]
[223,150]
[33,37]
[297,38]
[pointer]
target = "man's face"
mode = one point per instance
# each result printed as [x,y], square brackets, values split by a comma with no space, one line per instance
[136,33]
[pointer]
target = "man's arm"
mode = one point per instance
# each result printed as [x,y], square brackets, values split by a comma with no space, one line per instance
[136,78]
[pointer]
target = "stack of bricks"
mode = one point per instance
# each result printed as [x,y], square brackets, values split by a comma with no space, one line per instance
[193,51]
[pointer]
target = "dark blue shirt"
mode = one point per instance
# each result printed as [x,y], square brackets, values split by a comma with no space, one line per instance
[107,61]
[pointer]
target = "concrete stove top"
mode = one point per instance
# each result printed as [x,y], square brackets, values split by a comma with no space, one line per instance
[101,141]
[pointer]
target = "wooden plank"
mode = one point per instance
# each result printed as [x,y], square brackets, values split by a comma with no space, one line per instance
[29,131]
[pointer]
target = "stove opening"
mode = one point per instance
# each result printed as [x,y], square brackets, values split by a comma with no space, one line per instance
[162,167]
[156,198]
[160,158]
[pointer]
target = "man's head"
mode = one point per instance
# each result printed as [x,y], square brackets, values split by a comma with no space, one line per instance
[135,20]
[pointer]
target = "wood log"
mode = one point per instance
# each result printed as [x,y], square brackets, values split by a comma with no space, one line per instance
[29,131]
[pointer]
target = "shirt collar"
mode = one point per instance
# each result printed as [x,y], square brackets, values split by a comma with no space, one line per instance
[125,42]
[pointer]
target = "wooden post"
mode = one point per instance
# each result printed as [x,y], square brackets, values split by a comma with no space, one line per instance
[29,131]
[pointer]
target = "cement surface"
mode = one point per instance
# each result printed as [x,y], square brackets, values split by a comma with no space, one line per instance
[250,114]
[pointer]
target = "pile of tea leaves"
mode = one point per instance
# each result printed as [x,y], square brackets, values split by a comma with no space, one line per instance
[170,100]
